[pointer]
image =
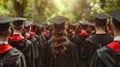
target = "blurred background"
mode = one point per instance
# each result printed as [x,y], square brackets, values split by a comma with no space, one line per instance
[39,11]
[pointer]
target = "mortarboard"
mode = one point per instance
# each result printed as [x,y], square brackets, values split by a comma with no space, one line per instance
[100,16]
[115,14]
[4,20]
[58,21]
[115,17]
[4,23]
[28,23]
[86,23]
[74,24]
[44,26]
[18,21]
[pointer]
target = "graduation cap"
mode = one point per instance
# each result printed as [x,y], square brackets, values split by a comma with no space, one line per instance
[115,14]
[115,17]
[58,21]
[85,23]
[18,21]
[100,16]
[74,24]
[28,23]
[4,23]
[44,26]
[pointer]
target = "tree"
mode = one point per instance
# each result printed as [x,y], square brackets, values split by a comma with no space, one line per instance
[19,7]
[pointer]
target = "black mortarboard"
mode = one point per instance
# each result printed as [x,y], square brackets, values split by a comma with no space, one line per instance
[18,21]
[4,23]
[44,26]
[59,21]
[115,14]
[100,16]
[74,24]
[4,20]
[115,17]
[28,23]
[85,23]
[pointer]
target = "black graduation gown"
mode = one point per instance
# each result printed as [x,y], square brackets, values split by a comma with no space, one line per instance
[41,39]
[25,46]
[91,44]
[69,59]
[79,41]
[37,49]
[105,57]
[71,38]
[12,58]
[48,36]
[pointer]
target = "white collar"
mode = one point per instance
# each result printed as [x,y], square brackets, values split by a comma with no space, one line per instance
[3,42]
[117,38]
[16,33]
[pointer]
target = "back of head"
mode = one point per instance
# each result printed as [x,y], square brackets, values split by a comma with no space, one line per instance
[116,23]
[4,29]
[4,25]
[59,35]
[18,24]
[115,18]
[100,23]
[100,20]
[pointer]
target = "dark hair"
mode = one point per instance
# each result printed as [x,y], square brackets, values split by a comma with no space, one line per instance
[4,33]
[84,27]
[38,30]
[4,27]
[59,42]
[100,22]
[116,23]
[18,24]
[77,30]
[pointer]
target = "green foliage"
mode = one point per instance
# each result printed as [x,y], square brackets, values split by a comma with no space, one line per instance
[41,10]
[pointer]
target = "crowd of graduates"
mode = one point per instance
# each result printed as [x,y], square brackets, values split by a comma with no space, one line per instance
[78,44]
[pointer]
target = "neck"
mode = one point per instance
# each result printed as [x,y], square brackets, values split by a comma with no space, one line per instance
[17,32]
[116,33]
[83,30]
[100,31]
[3,39]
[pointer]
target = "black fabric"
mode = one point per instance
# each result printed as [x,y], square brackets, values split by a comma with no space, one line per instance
[37,50]
[41,39]
[100,38]
[80,42]
[91,44]
[71,38]
[25,46]
[69,59]
[105,57]
[4,27]
[12,58]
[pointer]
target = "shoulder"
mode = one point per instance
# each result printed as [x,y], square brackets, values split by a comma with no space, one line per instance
[114,45]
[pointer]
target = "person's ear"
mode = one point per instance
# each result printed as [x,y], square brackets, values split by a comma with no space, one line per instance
[112,26]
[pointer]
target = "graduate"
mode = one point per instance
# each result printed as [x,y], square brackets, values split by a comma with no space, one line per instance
[21,43]
[74,31]
[82,35]
[36,44]
[109,55]
[95,41]
[59,51]
[9,56]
